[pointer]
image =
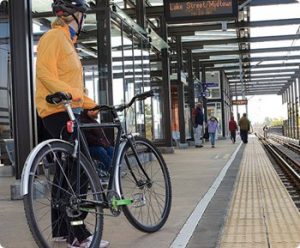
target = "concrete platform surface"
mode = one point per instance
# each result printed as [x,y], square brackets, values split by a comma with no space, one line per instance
[192,173]
[262,213]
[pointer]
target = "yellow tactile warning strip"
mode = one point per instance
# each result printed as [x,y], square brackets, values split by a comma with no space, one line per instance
[262,214]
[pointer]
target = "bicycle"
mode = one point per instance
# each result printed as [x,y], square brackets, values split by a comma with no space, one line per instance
[59,179]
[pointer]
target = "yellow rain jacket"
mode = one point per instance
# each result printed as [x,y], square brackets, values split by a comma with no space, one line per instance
[58,68]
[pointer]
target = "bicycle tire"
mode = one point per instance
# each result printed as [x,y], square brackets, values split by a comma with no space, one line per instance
[47,197]
[157,189]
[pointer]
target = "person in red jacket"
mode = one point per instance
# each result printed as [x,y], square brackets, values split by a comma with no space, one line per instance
[232,128]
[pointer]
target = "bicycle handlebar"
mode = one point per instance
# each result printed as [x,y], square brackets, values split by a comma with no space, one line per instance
[58,97]
[138,97]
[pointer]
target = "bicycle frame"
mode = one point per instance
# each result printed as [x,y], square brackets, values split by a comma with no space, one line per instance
[81,146]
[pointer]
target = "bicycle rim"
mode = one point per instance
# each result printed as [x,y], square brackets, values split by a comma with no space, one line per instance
[151,196]
[57,208]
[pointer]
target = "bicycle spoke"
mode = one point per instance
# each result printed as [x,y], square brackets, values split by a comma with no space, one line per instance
[51,204]
[64,174]
[148,187]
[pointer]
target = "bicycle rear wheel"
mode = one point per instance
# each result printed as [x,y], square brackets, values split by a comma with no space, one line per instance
[57,207]
[147,183]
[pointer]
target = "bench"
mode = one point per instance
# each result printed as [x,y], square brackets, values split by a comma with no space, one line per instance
[10,150]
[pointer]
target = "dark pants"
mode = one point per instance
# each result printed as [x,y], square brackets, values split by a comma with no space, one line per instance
[244,135]
[55,125]
[232,136]
[103,154]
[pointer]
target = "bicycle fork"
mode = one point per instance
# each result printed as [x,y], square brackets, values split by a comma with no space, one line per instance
[139,199]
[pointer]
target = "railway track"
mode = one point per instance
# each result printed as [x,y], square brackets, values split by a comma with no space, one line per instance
[286,161]
[286,142]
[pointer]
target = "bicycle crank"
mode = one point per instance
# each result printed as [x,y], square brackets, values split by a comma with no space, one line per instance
[115,203]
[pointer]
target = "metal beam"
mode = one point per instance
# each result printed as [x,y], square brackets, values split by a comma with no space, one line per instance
[262,93]
[271,2]
[22,78]
[262,72]
[262,80]
[229,67]
[195,44]
[188,29]
[277,88]
[257,85]
[245,60]
[259,77]
[199,55]
[166,86]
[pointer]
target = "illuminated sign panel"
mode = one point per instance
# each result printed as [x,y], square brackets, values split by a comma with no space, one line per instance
[240,102]
[202,10]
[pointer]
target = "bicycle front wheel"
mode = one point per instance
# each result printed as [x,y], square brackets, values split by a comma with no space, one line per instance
[60,208]
[144,178]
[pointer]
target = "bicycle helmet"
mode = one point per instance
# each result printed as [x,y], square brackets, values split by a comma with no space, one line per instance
[69,7]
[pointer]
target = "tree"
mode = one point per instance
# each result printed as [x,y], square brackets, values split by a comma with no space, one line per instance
[273,121]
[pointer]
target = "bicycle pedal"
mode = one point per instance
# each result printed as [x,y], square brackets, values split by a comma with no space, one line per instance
[121,202]
[139,200]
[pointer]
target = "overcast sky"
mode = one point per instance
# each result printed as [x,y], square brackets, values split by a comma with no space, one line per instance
[263,106]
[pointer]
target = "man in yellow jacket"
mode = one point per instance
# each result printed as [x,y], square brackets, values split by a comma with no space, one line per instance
[58,69]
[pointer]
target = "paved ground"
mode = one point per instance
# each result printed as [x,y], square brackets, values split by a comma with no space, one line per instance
[262,213]
[192,173]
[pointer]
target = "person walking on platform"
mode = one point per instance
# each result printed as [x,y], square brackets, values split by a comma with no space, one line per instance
[244,124]
[197,120]
[58,69]
[212,126]
[232,128]
[265,130]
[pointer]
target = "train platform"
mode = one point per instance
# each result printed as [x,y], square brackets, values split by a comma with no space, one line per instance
[228,196]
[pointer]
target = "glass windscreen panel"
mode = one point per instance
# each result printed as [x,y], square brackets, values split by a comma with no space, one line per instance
[118,67]
[147,87]
[131,76]
[139,84]
[213,87]
[5,74]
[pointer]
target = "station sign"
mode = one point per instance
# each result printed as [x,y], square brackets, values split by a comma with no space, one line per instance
[240,102]
[211,85]
[200,10]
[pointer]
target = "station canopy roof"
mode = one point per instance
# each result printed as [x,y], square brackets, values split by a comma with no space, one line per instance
[259,51]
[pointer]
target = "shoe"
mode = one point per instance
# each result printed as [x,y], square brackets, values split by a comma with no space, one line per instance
[87,242]
[199,146]
[104,182]
[59,239]
[212,146]
[103,174]
[75,244]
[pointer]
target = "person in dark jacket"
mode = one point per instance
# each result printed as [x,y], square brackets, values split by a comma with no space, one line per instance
[99,146]
[197,120]
[244,124]
[232,128]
